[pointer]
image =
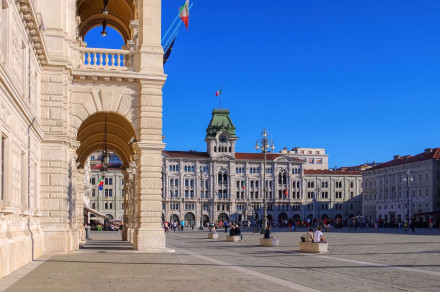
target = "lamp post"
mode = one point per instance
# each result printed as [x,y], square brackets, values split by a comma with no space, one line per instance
[264,143]
[316,200]
[201,197]
[408,179]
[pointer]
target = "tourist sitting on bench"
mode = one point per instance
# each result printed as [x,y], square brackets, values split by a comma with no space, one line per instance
[213,230]
[317,236]
[267,233]
[308,236]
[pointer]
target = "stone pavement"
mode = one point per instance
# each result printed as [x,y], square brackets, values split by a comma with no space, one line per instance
[362,260]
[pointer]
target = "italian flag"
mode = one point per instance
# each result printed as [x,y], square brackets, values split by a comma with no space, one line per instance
[100,182]
[218,93]
[244,185]
[184,13]
[285,191]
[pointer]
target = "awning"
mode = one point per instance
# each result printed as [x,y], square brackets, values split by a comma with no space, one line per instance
[96,213]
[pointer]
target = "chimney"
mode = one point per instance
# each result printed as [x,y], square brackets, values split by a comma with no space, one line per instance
[428,150]
[396,157]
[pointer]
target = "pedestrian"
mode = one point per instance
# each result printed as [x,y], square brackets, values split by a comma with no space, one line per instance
[226,224]
[174,226]
[182,224]
[412,224]
[87,229]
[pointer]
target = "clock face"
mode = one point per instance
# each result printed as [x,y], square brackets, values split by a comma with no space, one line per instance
[223,138]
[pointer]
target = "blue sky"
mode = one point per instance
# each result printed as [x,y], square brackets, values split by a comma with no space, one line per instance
[359,78]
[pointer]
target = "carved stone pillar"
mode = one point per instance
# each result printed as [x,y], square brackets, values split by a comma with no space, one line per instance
[80,193]
[126,217]
[148,232]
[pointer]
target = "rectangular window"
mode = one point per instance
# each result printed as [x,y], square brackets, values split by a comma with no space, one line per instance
[111,205]
[106,192]
[110,193]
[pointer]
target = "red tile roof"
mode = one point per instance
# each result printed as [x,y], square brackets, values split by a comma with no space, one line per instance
[187,154]
[433,154]
[260,156]
[331,172]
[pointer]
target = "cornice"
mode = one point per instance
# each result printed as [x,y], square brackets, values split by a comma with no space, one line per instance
[34,25]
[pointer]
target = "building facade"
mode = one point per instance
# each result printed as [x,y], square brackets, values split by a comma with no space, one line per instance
[222,184]
[404,187]
[59,102]
[109,199]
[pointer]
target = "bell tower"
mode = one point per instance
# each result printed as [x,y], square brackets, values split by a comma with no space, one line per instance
[220,134]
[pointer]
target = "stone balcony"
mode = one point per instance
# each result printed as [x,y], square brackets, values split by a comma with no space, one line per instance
[96,59]
[105,65]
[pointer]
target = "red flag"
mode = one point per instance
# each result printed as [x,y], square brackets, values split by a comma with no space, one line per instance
[285,191]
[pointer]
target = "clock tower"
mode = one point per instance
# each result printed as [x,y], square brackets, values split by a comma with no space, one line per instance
[220,134]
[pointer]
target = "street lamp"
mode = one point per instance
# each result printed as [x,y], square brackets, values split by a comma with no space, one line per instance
[264,145]
[316,200]
[201,196]
[408,179]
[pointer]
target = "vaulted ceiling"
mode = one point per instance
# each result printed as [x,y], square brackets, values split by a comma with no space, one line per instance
[120,13]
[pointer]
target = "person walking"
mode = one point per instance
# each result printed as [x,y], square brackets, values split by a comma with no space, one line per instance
[226,224]
[182,224]
[412,224]
[87,229]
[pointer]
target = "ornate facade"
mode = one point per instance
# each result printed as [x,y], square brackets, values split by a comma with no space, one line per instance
[221,184]
[59,102]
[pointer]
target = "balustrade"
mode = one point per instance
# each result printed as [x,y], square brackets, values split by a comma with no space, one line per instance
[106,59]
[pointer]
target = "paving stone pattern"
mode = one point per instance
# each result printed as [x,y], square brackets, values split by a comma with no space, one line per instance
[362,260]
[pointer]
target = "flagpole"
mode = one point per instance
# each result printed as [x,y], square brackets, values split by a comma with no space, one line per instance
[175,19]
[221,93]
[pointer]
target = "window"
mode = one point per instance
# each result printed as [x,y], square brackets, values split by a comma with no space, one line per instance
[111,206]
[93,206]
[93,192]
[110,193]
[106,181]
[351,184]
[106,206]
[92,157]
[93,181]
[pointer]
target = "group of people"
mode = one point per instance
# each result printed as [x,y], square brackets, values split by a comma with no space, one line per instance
[167,226]
[315,237]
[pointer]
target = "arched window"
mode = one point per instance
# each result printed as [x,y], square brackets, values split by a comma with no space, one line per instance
[282,177]
[110,181]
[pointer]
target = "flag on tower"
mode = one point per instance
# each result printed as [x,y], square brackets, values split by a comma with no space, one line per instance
[219,92]
[184,13]
[244,185]
[285,191]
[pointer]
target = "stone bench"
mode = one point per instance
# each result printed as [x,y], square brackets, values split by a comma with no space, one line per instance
[233,238]
[213,235]
[313,247]
[269,242]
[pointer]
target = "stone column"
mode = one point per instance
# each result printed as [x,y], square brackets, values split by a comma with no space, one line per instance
[149,57]
[148,232]
[80,193]
[127,195]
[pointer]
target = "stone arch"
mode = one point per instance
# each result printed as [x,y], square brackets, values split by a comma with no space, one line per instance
[105,99]
[118,132]
[121,13]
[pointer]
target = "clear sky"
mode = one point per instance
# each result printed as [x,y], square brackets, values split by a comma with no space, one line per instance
[359,78]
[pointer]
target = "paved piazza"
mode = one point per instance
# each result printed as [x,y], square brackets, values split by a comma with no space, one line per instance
[362,260]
